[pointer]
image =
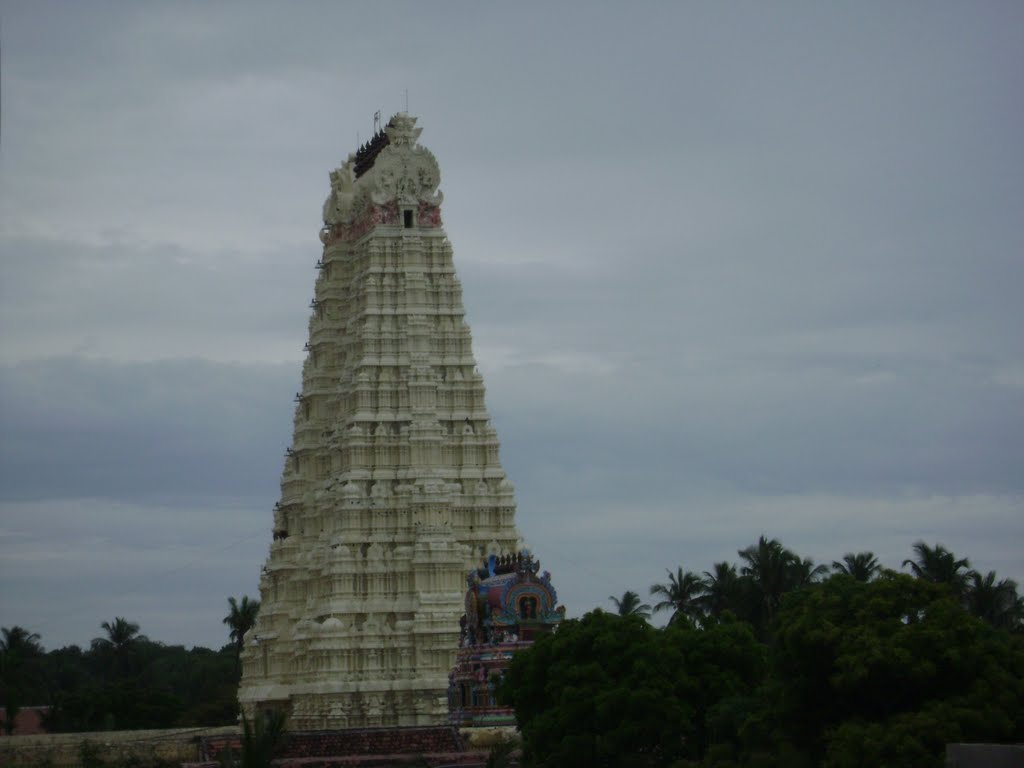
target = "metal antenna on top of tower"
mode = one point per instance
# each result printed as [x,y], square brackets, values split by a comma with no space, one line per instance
[407,101]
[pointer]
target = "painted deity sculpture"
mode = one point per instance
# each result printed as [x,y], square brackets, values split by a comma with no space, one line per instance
[508,606]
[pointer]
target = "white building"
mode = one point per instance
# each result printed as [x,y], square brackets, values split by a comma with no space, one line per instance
[393,488]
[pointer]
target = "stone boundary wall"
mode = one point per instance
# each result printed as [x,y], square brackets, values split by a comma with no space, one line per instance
[350,741]
[984,755]
[140,748]
[434,760]
[199,748]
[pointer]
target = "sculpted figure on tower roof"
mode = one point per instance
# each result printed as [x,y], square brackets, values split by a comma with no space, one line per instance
[401,172]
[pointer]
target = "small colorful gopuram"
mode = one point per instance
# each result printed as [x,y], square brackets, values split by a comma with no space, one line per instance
[507,607]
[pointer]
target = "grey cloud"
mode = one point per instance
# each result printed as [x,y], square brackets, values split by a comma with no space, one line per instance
[191,429]
[605,547]
[69,564]
[729,271]
[135,301]
[772,432]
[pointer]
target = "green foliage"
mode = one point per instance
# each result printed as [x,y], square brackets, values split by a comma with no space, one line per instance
[501,755]
[771,572]
[20,654]
[724,591]
[114,706]
[939,566]
[124,680]
[241,618]
[681,594]
[262,739]
[121,633]
[610,690]
[630,605]
[863,566]
[995,602]
[18,642]
[886,673]
[867,668]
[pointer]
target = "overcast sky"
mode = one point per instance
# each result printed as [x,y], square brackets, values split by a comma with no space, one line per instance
[732,269]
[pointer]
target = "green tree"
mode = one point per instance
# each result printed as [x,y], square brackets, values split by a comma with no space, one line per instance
[595,694]
[262,739]
[121,633]
[887,672]
[19,654]
[939,566]
[240,619]
[681,595]
[19,642]
[772,571]
[607,692]
[629,605]
[996,602]
[502,754]
[116,650]
[862,566]
[803,572]
[724,590]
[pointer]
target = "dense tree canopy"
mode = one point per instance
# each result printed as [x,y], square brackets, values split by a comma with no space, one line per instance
[776,665]
[607,690]
[764,662]
[123,681]
[887,673]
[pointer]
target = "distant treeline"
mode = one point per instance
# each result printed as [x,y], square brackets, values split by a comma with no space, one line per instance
[124,680]
[777,662]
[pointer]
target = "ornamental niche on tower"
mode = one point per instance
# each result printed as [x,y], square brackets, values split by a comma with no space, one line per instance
[392,489]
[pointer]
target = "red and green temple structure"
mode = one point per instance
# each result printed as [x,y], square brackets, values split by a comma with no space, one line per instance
[509,604]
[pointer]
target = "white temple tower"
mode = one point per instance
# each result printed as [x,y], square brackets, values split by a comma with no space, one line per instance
[392,489]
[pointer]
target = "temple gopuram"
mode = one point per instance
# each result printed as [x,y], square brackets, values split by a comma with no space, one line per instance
[392,487]
[508,606]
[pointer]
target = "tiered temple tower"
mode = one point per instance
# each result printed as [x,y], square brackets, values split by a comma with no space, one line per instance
[392,489]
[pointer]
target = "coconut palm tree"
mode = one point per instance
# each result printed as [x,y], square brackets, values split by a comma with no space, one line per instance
[118,646]
[723,591]
[768,566]
[18,647]
[996,602]
[241,618]
[802,572]
[18,641]
[773,571]
[681,595]
[940,566]
[121,633]
[629,605]
[863,566]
